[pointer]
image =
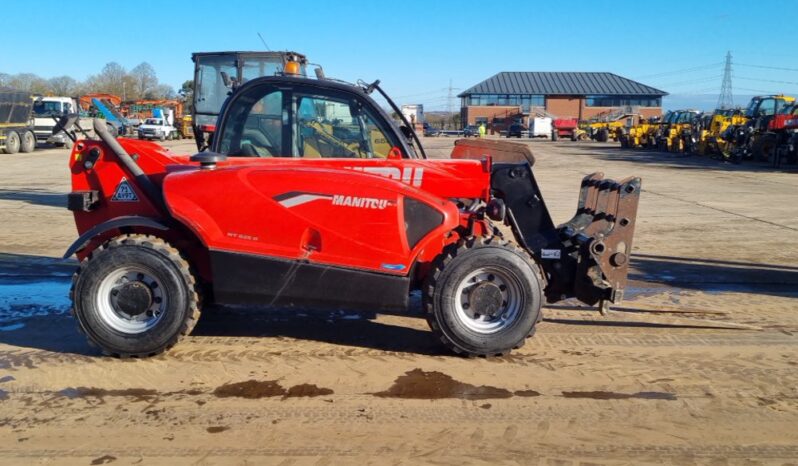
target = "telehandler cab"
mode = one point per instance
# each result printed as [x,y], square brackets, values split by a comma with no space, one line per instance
[310,195]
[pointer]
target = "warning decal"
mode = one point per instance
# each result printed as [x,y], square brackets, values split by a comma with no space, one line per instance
[124,192]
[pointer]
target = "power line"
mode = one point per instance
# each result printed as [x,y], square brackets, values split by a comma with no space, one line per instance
[767,80]
[767,67]
[692,81]
[685,70]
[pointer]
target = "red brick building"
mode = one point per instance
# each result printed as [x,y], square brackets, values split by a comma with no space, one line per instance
[508,97]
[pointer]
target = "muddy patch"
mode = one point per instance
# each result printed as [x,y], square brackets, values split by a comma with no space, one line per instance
[138,394]
[601,395]
[307,389]
[254,389]
[422,385]
[105,459]
[526,393]
[217,429]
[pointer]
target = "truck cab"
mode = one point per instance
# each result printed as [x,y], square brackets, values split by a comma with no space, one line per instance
[44,111]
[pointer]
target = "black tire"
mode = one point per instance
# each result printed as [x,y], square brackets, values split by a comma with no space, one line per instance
[12,142]
[555,135]
[449,277]
[28,143]
[162,138]
[764,147]
[602,135]
[172,289]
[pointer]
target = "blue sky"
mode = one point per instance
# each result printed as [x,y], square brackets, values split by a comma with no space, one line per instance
[416,47]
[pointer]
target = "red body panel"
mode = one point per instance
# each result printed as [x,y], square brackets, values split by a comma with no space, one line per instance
[343,212]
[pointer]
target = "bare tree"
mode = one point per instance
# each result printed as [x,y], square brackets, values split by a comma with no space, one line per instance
[161,91]
[63,85]
[144,79]
[111,80]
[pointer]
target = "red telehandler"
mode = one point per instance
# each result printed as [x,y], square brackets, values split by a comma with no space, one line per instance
[310,195]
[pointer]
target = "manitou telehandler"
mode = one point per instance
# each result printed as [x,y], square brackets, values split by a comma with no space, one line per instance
[310,195]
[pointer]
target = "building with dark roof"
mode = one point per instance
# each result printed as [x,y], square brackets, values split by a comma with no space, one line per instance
[514,96]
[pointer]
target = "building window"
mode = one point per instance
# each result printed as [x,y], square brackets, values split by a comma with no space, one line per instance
[513,100]
[481,120]
[618,101]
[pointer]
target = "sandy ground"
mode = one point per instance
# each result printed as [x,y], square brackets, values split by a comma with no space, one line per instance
[698,366]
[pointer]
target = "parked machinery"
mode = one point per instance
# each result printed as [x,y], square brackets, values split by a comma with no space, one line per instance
[643,134]
[676,132]
[779,132]
[610,128]
[16,121]
[787,151]
[709,128]
[742,140]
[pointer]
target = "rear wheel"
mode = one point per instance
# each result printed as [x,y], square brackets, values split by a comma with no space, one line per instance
[28,143]
[603,135]
[764,147]
[12,143]
[135,296]
[555,135]
[483,298]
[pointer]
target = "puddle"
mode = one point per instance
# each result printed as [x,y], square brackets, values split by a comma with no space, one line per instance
[254,389]
[138,394]
[23,300]
[422,385]
[600,395]
[217,429]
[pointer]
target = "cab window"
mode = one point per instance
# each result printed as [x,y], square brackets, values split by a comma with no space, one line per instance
[254,127]
[336,126]
[767,107]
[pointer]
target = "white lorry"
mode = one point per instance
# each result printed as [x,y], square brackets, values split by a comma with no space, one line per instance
[159,127]
[44,109]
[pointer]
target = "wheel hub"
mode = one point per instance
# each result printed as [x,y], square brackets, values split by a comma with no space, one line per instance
[486,299]
[133,298]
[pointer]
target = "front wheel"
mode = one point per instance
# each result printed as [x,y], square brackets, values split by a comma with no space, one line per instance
[135,296]
[483,298]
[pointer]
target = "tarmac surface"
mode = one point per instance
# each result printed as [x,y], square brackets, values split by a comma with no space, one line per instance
[698,366]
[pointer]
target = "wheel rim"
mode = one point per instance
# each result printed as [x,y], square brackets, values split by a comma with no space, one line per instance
[131,300]
[488,300]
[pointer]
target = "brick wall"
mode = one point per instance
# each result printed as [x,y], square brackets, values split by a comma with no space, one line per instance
[563,107]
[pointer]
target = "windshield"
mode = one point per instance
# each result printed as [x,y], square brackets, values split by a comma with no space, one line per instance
[210,91]
[256,67]
[152,121]
[41,108]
